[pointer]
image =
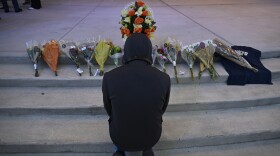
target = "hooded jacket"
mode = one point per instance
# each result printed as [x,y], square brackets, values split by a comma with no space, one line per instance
[135,97]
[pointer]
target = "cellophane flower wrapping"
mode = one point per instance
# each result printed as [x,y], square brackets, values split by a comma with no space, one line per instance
[172,47]
[137,17]
[161,57]
[116,53]
[204,51]
[188,56]
[70,49]
[228,53]
[87,48]
[34,52]
[154,54]
[50,53]
[102,52]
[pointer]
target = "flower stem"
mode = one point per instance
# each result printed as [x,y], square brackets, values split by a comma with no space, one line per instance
[176,74]
[101,73]
[199,74]
[191,70]
[90,72]
[36,73]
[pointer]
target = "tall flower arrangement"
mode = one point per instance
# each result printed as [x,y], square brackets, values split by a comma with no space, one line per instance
[137,17]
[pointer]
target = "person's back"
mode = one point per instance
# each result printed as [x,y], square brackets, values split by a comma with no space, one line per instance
[136,96]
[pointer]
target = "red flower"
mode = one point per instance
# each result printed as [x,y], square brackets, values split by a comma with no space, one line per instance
[160,51]
[131,13]
[137,30]
[202,45]
[139,20]
[125,31]
[140,3]
[145,13]
[147,31]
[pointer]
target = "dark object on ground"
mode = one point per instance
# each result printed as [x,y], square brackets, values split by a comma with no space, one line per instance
[36,4]
[26,2]
[239,75]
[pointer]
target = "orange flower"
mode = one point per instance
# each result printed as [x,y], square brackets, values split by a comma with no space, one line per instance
[153,29]
[137,30]
[131,13]
[140,3]
[139,20]
[125,31]
[147,31]
[145,13]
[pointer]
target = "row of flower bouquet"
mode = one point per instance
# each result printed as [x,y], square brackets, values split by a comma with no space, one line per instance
[201,52]
[90,49]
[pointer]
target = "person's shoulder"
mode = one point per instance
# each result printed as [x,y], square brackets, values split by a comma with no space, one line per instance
[161,74]
[114,71]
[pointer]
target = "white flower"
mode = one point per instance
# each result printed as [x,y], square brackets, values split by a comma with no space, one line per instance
[139,11]
[137,25]
[148,21]
[124,12]
[124,38]
[127,19]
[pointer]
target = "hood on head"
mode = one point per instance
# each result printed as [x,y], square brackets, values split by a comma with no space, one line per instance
[137,47]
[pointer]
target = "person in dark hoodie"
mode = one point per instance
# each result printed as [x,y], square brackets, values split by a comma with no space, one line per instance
[135,97]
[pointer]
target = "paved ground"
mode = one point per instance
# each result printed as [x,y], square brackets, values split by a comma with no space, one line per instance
[262,148]
[253,23]
[244,22]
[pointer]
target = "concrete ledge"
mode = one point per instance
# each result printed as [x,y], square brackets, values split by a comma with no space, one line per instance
[22,75]
[89,100]
[22,58]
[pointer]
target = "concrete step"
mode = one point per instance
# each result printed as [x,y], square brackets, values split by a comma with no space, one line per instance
[47,134]
[258,148]
[22,75]
[22,58]
[88,100]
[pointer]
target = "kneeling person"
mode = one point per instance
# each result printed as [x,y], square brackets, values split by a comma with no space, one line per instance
[135,97]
